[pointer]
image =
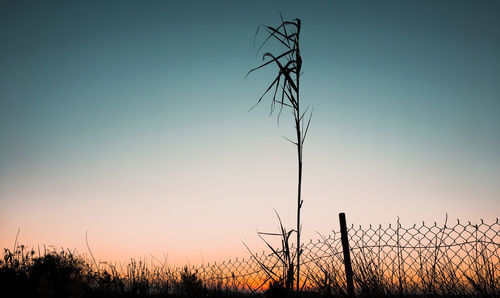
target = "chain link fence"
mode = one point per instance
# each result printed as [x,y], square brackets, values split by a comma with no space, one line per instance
[458,258]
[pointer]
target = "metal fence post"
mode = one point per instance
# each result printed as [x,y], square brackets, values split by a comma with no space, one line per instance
[347,255]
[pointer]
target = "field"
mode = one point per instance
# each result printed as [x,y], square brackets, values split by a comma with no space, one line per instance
[459,260]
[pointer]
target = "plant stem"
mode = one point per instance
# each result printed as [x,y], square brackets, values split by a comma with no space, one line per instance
[299,155]
[299,205]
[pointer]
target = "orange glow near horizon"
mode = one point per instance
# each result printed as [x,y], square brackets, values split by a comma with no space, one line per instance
[125,127]
[455,262]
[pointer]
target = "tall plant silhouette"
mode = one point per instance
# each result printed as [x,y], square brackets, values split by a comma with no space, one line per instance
[285,89]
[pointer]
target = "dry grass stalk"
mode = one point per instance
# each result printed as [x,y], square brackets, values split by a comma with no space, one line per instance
[287,81]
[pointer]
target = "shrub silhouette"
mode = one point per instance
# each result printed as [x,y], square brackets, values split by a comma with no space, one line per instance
[190,285]
[276,290]
[14,276]
[56,274]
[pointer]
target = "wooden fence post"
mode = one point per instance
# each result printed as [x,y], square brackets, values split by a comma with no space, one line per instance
[347,255]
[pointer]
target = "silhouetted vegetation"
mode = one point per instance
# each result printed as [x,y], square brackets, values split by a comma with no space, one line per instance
[452,260]
[26,273]
[23,273]
[287,81]
[62,273]
[280,282]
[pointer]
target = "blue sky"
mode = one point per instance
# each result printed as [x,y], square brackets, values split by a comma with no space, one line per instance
[130,120]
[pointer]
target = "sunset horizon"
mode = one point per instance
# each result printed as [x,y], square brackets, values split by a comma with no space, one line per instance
[135,128]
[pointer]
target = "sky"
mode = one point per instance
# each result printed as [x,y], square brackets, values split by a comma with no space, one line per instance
[129,121]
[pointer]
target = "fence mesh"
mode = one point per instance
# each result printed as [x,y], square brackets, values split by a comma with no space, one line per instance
[427,258]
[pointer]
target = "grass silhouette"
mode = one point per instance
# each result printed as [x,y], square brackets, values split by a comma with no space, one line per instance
[429,269]
[287,81]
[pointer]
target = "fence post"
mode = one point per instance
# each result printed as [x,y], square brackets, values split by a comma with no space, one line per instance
[347,255]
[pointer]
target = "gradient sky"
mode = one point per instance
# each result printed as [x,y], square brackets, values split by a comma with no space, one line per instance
[129,120]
